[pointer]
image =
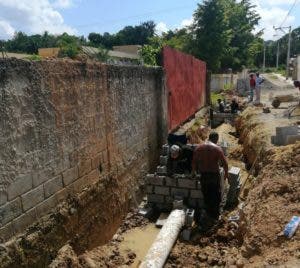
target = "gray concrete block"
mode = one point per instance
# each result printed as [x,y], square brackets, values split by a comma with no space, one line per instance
[154,179]
[287,130]
[195,203]
[6,232]
[22,185]
[196,194]
[179,192]
[171,181]
[42,176]
[187,183]
[70,175]
[162,190]
[52,186]
[22,222]
[163,160]
[291,139]
[3,197]
[165,149]
[32,198]
[10,210]
[234,172]
[46,206]
[149,189]
[161,170]
[169,199]
[155,198]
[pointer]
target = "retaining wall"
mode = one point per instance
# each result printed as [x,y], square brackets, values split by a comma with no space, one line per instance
[65,125]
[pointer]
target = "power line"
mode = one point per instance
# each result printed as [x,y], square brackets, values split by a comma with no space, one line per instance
[292,7]
[105,22]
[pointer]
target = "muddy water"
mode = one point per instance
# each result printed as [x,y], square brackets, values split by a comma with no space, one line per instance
[138,240]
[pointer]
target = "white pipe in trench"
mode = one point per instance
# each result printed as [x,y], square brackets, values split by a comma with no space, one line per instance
[161,247]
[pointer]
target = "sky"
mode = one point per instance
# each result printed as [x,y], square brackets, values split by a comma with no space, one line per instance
[80,17]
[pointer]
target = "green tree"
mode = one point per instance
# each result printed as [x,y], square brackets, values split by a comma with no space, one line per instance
[69,45]
[211,35]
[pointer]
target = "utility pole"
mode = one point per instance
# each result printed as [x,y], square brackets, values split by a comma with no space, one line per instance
[288,54]
[264,60]
[288,49]
[277,55]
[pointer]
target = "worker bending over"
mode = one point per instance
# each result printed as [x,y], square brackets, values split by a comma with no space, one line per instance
[180,160]
[206,160]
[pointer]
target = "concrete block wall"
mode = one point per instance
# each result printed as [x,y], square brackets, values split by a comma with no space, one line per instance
[66,125]
[286,135]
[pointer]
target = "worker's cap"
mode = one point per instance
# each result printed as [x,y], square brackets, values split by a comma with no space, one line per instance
[174,150]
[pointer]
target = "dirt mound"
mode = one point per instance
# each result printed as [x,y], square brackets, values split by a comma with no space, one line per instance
[274,199]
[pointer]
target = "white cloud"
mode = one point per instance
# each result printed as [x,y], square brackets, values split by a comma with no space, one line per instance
[272,15]
[6,30]
[63,3]
[161,27]
[279,2]
[186,22]
[32,16]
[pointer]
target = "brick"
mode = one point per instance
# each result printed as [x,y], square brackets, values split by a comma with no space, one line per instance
[165,149]
[10,210]
[161,170]
[61,195]
[149,189]
[22,185]
[155,198]
[41,177]
[234,172]
[3,198]
[187,183]
[22,222]
[32,198]
[70,175]
[162,190]
[163,160]
[171,181]
[154,179]
[84,167]
[169,199]
[196,194]
[85,181]
[52,186]
[46,206]
[179,192]
[6,232]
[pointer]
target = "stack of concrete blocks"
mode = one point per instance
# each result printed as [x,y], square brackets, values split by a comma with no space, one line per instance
[286,135]
[234,180]
[162,190]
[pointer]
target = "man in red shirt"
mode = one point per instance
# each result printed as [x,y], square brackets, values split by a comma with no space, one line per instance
[252,86]
[206,160]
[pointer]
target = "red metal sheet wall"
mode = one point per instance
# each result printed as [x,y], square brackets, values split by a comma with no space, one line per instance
[186,82]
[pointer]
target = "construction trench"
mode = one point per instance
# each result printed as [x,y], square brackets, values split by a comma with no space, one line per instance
[102,225]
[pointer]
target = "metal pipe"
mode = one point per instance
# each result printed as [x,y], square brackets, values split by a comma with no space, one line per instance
[161,247]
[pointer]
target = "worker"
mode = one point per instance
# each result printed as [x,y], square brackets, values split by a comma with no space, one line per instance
[297,84]
[206,160]
[252,87]
[234,106]
[221,106]
[180,160]
[258,81]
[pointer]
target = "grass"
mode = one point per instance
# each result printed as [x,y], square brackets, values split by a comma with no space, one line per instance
[214,97]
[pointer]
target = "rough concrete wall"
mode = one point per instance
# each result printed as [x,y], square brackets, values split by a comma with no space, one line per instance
[223,81]
[65,125]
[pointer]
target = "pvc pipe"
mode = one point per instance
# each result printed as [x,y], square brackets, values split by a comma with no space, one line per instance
[161,247]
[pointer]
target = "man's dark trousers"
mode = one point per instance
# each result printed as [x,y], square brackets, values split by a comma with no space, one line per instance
[211,189]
